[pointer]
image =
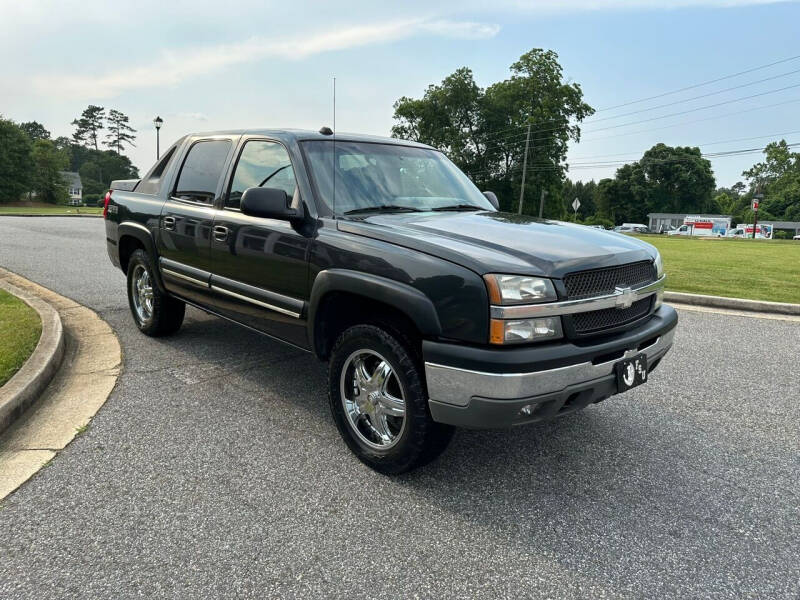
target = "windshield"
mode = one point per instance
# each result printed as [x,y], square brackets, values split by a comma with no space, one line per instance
[389,177]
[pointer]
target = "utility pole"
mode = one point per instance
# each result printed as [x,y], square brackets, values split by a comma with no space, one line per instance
[524,166]
[541,202]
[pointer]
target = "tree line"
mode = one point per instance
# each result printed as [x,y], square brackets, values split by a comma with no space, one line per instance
[485,132]
[31,161]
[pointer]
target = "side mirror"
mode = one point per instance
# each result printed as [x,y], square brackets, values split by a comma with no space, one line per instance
[492,197]
[269,203]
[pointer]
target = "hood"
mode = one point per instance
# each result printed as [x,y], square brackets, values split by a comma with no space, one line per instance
[494,242]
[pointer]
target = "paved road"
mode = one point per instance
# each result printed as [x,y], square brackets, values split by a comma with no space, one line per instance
[214,469]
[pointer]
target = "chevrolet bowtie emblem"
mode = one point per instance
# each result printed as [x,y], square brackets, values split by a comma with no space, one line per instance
[625,297]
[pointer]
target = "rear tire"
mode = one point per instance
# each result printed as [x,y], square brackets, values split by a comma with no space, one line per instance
[154,312]
[378,400]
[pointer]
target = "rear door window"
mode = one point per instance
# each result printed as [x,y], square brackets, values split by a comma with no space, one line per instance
[151,183]
[201,171]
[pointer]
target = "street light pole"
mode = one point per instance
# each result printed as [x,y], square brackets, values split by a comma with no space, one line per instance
[157,122]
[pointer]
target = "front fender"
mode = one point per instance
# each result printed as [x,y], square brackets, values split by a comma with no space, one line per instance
[408,300]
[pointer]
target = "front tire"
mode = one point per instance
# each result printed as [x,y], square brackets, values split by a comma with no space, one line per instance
[378,400]
[154,312]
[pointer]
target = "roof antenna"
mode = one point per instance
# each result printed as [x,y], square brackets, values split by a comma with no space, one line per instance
[334,147]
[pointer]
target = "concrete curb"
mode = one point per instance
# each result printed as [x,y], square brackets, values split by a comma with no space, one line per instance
[761,306]
[29,382]
[91,364]
[54,215]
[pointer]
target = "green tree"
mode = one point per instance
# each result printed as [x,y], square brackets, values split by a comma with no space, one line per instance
[778,179]
[679,179]
[47,180]
[16,169]
[120,133]
[88,126]
[483,131]
[35,131]
[585,193]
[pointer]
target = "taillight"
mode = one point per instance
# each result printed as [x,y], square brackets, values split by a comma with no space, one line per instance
[105,204]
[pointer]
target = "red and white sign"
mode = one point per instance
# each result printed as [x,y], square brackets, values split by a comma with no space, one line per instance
[755,204]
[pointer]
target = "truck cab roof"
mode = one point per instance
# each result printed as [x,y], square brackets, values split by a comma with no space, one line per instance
[302,135]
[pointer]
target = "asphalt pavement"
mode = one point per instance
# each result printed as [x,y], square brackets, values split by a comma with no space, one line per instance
[214,470]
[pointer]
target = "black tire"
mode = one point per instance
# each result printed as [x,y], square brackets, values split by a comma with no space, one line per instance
[167,312]
[420,440]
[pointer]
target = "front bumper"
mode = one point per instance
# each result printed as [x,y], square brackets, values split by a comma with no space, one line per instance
[489,388]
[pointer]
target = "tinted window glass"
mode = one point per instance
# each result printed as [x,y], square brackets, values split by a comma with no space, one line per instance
[202,170]
[261,164]
[151,183]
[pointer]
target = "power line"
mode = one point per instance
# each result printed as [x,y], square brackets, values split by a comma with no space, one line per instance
[607,164]
[590,120]
[736,87]
[539,140]
[683,112]
[697,85]
[745,139]
[672,125]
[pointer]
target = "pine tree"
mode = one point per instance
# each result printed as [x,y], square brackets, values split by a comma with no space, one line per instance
[89,125]
[120,133]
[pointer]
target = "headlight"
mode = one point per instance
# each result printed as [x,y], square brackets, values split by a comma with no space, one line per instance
[519,289]
[520,331]
[659,264]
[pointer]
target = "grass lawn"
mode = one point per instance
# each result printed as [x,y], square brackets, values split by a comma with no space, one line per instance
[756,269]
[20,328]
[50,210]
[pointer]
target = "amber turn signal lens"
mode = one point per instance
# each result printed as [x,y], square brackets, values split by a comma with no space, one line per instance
[494,289]
[497,331]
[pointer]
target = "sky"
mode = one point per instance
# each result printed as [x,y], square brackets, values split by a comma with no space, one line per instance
[204,66]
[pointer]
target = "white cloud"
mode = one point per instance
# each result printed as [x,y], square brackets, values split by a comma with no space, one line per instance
[193,116]
[174,66]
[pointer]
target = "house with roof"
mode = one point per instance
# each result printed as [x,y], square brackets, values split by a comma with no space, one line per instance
[74,186]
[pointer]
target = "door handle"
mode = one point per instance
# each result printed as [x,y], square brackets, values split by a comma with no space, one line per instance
[220,233]
[169,223]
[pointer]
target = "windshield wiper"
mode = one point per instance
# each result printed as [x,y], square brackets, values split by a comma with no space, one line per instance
[383,208]
[459,207]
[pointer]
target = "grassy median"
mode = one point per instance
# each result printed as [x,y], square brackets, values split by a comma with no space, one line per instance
[50,210]
[20,328]
[737,268]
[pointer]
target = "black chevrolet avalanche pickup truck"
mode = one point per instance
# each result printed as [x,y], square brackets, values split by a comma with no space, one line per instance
[433,309]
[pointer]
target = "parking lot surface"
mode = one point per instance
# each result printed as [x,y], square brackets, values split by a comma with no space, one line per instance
[214,469]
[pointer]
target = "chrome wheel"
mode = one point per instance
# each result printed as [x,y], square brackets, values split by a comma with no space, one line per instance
[373,399]
[142,293]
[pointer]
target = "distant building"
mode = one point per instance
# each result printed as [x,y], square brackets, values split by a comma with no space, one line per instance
[666,221]
[74,187]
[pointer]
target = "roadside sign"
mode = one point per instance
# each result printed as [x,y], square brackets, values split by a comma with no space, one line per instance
[576,204]
[755,203]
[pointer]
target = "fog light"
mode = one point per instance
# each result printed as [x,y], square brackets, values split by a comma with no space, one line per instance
[526,411]
[525,330]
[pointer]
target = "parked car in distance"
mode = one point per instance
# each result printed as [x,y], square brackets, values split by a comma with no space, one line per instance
[796,237]
[632,228]
[379,256]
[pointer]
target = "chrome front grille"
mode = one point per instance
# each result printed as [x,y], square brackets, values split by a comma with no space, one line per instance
[599,282]
[600,320]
